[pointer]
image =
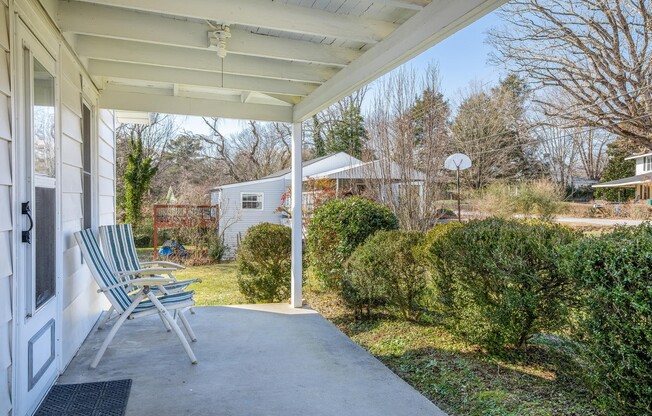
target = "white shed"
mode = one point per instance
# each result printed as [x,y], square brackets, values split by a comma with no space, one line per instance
[244,204]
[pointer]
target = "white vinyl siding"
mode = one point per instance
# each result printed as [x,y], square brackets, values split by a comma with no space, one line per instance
[237,220]
[81,302]
[6,221]
[106,167]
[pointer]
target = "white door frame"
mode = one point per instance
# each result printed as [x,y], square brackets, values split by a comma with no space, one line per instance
[38,331]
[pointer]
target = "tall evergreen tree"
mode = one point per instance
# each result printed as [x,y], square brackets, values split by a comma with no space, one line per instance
[318,138]
[618,168]
[347,133]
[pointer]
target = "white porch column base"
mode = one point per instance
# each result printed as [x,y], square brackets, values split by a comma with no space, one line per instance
[297,223]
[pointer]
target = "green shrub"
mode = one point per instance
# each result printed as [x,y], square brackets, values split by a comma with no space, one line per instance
[442,274]
[615,271]
[339,226]
[504,283]
[264,263]
[216,247]
[387,268]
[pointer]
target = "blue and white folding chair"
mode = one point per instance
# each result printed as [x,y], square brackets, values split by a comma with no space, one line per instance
[143,303]
[120,251]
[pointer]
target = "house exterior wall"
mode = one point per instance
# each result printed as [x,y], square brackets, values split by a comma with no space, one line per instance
[234,221]
[6,221]
[640,164]
[80,304]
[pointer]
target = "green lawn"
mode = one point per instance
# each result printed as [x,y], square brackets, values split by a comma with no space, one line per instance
[219,284]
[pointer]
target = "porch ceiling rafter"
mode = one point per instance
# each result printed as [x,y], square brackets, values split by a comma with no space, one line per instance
[142,72]
[173,57]
[91,19]
[266,14]
[192,106]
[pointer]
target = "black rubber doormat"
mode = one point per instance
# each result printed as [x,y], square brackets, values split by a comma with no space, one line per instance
[106,398]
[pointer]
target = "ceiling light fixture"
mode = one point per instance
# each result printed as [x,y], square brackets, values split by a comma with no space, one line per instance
[218,38]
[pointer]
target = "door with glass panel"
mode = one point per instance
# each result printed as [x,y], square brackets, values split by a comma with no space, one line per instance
[38,207]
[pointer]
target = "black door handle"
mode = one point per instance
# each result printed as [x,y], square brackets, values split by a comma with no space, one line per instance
[27,235]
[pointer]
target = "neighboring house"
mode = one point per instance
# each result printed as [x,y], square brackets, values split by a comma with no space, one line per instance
[641,181]
[267,199]
[244,204]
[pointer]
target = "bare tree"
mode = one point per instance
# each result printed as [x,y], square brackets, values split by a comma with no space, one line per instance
[256,151]
[408,133]
[490,127]
[557,151]
[591,145]
[597,51]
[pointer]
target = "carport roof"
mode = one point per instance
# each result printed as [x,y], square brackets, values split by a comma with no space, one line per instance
[286,59]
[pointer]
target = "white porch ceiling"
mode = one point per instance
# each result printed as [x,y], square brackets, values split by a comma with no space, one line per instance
[287,59]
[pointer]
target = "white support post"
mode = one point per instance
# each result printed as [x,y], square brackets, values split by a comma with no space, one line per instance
[297,223]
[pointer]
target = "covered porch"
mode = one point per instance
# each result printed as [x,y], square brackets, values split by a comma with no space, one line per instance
[253,360]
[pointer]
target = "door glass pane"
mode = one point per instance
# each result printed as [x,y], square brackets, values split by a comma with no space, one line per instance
[44,238]
[43,113]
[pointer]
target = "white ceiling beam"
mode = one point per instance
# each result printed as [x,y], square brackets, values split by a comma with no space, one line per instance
[435,22]
[266,14]
[96,20]
[110,69]
[170,56]
[140,101]
[403,4]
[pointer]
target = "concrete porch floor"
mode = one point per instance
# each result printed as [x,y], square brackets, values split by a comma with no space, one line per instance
[253,360]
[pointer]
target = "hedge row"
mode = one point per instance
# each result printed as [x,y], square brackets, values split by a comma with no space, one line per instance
[497,283]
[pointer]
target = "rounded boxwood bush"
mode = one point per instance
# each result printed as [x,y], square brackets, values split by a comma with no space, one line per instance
[615,273]
[504,280]
[264,263]
[386,269]
[339,226]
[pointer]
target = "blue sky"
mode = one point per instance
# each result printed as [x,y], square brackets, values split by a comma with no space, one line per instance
[461,58]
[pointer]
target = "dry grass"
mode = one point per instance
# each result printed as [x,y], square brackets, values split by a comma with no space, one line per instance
[461,379]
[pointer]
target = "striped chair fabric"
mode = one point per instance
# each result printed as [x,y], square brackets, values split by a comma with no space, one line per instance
[106,277]
[118,244]
[119,248]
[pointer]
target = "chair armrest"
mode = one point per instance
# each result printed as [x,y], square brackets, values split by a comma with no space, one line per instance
[150,281]
[145,281]
[163,263]
[148,271]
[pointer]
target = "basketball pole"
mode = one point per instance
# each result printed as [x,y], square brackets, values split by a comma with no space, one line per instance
[459,204]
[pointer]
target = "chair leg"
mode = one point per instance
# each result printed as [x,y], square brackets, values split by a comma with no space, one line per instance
[106,318]
[186,325]
[174,326]
[165,323]
[114,330]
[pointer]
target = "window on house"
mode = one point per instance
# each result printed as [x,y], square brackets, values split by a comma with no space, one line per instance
[87,165]
[647,163]
[252,201]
